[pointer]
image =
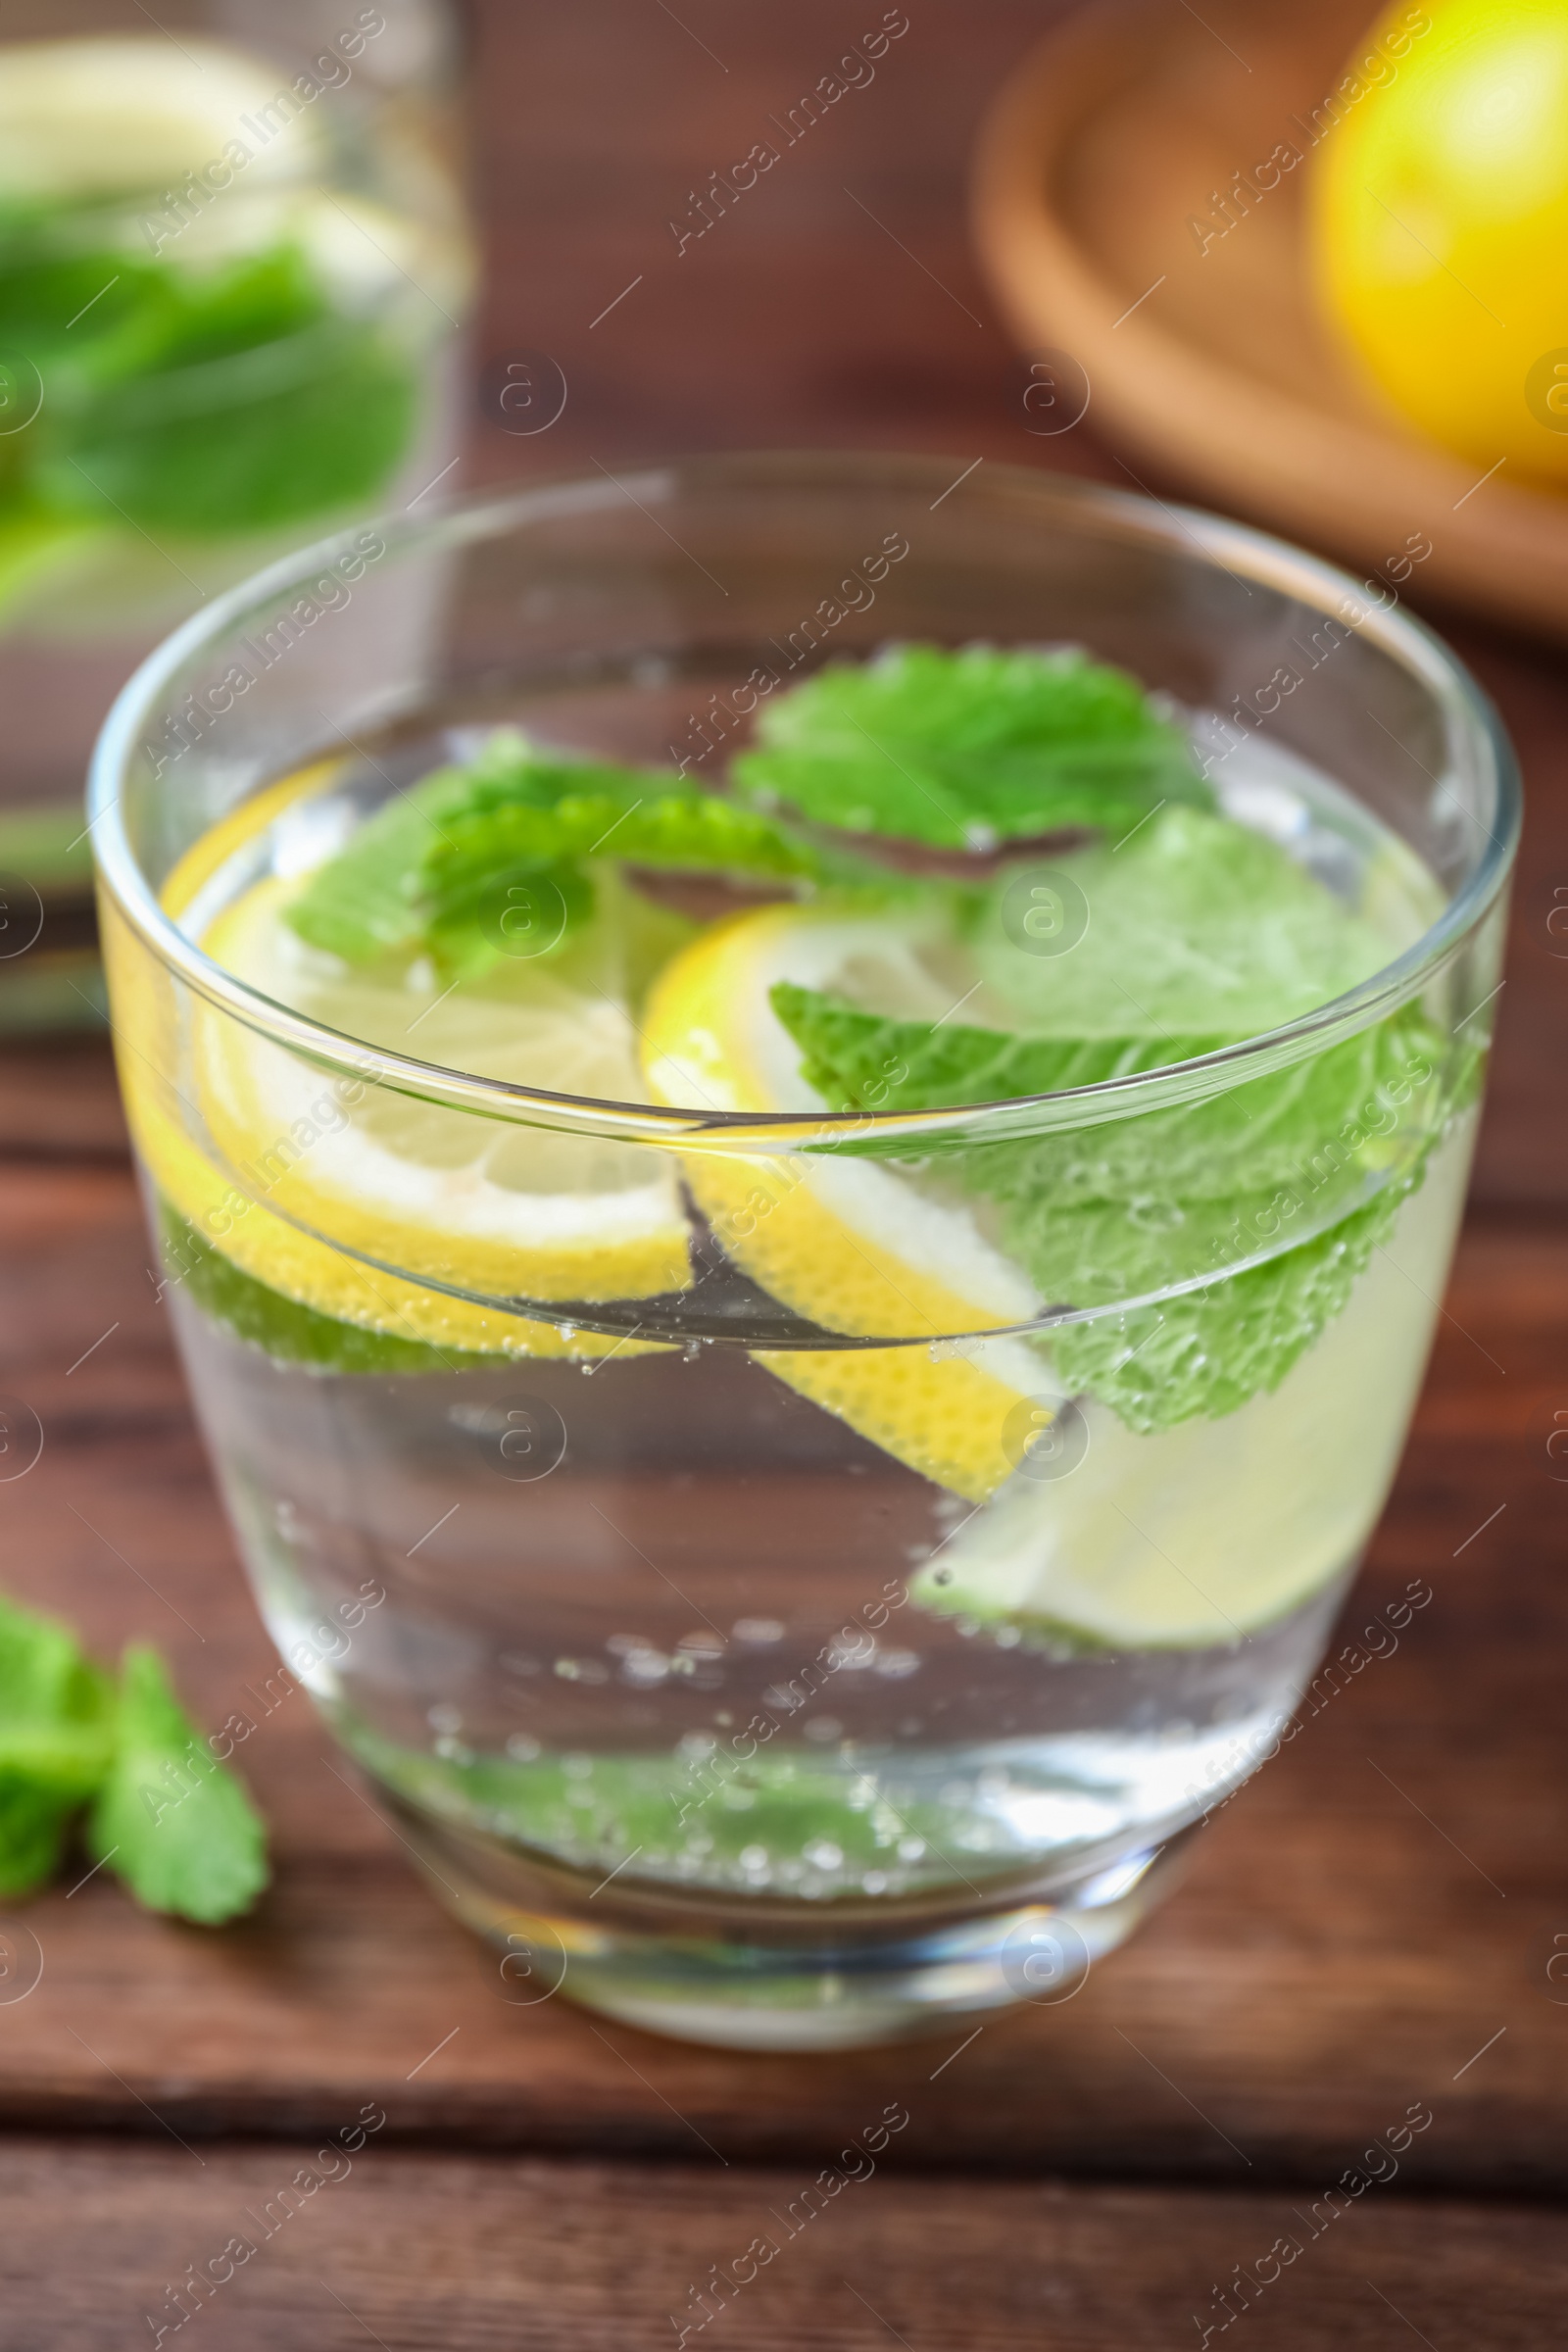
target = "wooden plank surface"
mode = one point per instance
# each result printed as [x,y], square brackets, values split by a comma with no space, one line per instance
[417,2252]
[1380,1904]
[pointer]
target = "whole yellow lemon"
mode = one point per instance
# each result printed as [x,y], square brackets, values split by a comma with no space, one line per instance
[1439,224]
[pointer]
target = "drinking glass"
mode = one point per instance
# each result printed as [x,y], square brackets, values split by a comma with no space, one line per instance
[693,1693]
[233,268]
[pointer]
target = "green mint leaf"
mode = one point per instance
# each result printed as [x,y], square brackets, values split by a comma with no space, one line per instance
[170,1820]
[1192,924]
[658,828]
[1209,1352]
[56,1730]
[32,1834]
[474,858]
[962,749]
[360,905]
[653,1805]
[209,400]
[1100,1214]
[1327,1121]
[56,1708]
[1287,1127]
[858,1060]
[305,425]
[1200,934]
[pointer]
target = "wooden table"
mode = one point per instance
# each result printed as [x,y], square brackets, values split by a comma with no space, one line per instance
[1372,1926]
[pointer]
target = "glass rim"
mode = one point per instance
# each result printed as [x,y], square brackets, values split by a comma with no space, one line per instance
[1228,545]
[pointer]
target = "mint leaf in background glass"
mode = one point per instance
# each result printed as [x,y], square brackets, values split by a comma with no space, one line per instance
[962,749]
[299,426]
[170,1820]
[210,400]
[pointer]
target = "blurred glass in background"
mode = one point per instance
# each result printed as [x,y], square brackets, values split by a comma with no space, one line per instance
[235,264]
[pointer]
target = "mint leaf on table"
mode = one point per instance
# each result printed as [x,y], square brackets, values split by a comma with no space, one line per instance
[33,1836]
[170,1820]
[56,1729]
[963,750]
[56,1707]
[444,864]
[69,1739]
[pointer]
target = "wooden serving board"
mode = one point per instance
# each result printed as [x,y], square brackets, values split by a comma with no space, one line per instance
[1201,347]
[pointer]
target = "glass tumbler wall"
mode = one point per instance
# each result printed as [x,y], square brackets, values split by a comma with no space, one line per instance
[232,265]
[774,1609]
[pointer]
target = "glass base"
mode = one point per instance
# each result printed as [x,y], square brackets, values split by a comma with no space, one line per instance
[781,1977]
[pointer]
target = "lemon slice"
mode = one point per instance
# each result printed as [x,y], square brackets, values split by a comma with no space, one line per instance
[848,1243]
[119,113]
[369,1174]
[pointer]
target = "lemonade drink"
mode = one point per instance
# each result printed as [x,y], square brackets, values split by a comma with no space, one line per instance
[829,1427]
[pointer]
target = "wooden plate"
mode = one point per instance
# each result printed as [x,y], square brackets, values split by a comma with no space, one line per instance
[1202,352]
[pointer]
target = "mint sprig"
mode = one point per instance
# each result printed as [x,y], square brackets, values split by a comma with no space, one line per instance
[514,836]
[166,1818]
[1216,932]
[962,749]
[1100,1214]
[1256,1135]
[56,1713]
[859,1060]
[1209,1352]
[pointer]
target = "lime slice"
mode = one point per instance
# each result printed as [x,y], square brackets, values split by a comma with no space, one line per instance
[1214,1529]
[848,1243]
